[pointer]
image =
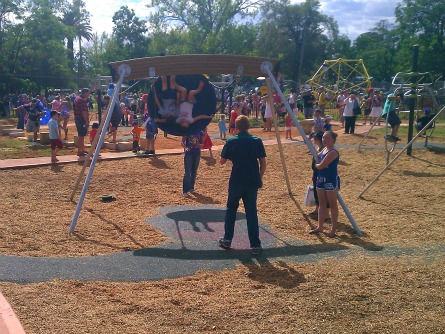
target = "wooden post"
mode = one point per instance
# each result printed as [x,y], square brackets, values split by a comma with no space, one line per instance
[277,134]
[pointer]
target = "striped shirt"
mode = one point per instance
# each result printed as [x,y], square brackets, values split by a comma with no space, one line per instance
[80,107]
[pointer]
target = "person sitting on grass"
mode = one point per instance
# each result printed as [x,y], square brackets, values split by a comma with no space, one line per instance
[54,135]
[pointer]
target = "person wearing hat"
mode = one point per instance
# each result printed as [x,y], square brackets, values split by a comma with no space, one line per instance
[54,135]
[35,109]
[389,110]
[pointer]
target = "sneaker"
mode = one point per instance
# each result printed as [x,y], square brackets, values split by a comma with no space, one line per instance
[34,143]
[82,154]
[256,250]
[146,152]
[186,194]
[223,243]
[193,191]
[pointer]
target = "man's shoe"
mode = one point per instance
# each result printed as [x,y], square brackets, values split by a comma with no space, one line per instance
[223,243]
[256,250]
[146,152]
[186,194]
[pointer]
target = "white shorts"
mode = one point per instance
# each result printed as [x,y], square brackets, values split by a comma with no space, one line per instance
[287,128]
[376,112]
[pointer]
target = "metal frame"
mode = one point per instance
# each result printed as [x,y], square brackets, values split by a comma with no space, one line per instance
[124,70]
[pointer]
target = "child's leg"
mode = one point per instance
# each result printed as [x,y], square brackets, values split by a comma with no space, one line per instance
[182,91]
[164,82]
[172,81]
[332,200]
[323,203]
[210,152]
[193,92]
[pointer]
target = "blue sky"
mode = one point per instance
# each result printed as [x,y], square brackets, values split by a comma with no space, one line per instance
[353,16]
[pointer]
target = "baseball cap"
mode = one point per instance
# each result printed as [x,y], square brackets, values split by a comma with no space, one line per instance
[427,111]
[370,90]
[34,99]
[235,104]
[328,117]
[135,123]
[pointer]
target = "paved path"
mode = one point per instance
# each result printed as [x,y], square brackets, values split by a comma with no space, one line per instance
[65,159]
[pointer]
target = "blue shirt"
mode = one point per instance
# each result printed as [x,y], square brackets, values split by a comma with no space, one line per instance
[244,150]
[193,142]
[53,128]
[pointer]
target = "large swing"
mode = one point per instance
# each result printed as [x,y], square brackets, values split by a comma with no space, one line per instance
[187,65]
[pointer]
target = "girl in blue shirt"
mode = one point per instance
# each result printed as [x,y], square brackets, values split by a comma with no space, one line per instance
[328,183]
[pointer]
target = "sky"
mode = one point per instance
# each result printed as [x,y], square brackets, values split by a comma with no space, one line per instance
[354,17]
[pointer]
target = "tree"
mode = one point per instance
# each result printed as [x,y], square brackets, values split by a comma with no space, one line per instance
[129,33]
[422,22]
[298,33]
[378,49]
[77,18]
[201,17]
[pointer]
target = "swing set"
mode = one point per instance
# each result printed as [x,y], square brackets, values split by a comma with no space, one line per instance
[186,65]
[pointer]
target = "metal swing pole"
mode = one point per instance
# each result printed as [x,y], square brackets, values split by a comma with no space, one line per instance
[266,68]
[123,70]
[400,153]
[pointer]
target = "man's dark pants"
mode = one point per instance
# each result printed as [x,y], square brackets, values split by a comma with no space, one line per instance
[249,197]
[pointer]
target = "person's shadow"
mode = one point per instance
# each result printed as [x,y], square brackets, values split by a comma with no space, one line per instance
[278,273]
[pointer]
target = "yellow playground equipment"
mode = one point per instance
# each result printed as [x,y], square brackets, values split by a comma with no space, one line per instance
[338,74]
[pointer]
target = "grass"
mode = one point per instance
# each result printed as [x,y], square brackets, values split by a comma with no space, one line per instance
[439,131]
[15,149]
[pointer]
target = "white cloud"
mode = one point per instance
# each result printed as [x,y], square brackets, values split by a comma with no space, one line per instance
[354,17]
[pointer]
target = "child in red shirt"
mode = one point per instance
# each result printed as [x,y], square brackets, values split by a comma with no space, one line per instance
[93,131]
[208,142]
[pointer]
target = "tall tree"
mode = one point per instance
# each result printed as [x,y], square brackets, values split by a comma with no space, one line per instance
[77,18]
[129,32]
[201,17]
[298,33]
[422,22]
[378,49]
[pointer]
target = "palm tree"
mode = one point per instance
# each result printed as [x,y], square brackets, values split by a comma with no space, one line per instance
[78,18]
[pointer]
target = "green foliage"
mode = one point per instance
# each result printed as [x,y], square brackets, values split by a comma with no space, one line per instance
[129,33]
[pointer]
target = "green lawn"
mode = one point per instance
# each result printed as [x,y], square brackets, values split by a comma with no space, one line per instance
[439,131]
[15,149]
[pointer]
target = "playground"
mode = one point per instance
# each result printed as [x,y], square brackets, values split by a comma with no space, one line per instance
[148,261]
[356,283]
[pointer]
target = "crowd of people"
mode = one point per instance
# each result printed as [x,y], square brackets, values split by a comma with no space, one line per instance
[241,148]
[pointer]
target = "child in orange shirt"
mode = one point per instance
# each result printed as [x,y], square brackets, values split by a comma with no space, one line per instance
[136,132]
